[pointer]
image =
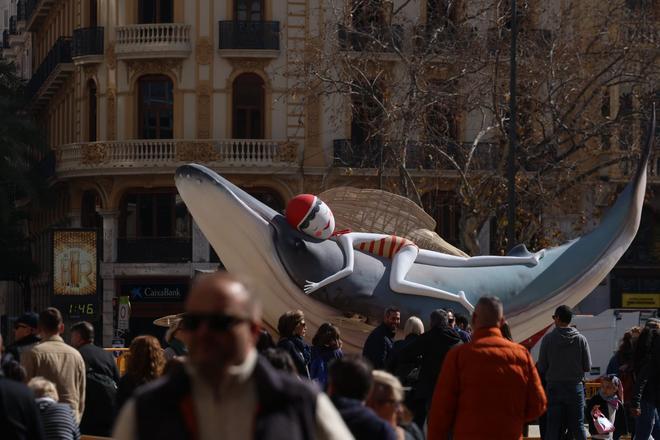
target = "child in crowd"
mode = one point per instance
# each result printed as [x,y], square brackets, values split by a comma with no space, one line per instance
[608,400]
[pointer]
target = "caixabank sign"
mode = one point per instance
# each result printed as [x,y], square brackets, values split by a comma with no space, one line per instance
[154,292]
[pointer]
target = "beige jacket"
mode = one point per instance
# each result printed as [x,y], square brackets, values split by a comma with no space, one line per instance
[63,365]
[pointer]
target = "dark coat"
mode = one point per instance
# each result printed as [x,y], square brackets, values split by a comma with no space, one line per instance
[286,407]
[100,391]
[125,389]
[299,351]
[321,358]
[378,345]
[647,385]
[99,360]
[363,423]
[400,368]
[13,351]
[19,416]
[432,346]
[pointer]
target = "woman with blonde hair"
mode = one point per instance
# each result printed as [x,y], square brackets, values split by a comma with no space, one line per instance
[57,418]
[145,363]
[292,328]
[386,399]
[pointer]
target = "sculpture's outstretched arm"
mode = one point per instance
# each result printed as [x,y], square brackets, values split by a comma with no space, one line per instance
[346,245]
[402,263]
[439,259]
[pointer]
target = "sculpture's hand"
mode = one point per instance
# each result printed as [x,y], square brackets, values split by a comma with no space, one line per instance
[463,300]
[310,286]
[537,256]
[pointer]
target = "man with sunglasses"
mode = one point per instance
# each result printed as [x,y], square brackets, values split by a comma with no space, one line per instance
[25,336]
[226,390]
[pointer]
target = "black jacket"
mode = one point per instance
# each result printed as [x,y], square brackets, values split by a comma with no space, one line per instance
[400,368]
[647,385]
[13,351]
[363,423]
[19,416]
[378,345]
[100,361]
[100,391]
[433,346]
[286,407]
[299,351]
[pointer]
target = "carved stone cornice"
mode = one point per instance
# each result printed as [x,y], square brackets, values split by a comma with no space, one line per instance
[196,152]
[203,51]
[94,154]
[249,63]
[141,67]
[288,151]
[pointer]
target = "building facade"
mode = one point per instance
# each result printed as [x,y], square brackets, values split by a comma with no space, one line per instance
[130,90]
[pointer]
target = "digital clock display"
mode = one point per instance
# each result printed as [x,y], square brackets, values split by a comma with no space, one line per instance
[87,309]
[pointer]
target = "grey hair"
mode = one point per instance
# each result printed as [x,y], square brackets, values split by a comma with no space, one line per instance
[414,326]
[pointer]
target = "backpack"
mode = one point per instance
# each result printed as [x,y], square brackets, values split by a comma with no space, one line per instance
[100,404]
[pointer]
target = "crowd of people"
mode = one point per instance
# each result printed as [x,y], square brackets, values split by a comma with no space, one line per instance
[223,375]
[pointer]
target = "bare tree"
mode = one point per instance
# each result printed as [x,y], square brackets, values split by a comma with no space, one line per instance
[427,97]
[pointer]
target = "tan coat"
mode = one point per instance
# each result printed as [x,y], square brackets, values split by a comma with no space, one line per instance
[63,365]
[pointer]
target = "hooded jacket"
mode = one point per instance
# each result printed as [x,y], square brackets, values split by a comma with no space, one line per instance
[564,356]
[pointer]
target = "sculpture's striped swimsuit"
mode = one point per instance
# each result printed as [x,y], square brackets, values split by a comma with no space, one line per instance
[384,247]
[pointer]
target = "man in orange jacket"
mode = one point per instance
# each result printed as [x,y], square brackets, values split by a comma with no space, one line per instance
[488,388]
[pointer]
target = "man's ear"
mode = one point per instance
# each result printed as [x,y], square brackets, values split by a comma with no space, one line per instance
[502,321]
[60,329]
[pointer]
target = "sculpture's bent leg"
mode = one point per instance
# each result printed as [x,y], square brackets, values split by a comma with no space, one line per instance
[401,264]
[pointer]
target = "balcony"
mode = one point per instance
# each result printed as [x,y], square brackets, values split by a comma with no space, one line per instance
[154,249]
[371,39]
[258,39]
[418,155]
[36,11]
[87,45]
[52,72]
[159,40]
[165,155]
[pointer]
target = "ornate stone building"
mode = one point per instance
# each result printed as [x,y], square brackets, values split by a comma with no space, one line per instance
[128,90]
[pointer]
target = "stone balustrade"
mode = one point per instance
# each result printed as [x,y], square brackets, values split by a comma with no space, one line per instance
[124,157]
[157,40]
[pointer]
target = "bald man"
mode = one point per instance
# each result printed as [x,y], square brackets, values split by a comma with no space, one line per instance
[491,381]
[226,390]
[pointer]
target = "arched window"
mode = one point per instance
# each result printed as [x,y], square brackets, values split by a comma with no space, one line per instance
[155,11]
[91,111]
[248,107]
[155,107]
[249,10]
[445,210]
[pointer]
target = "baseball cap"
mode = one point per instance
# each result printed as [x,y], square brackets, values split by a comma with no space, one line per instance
[29,318]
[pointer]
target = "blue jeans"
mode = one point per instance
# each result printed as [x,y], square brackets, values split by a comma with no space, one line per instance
[648,422]
[565,410]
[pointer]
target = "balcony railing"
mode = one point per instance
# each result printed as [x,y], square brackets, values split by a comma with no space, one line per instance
[59,54]
[113,157]
[374,39]
[87,41]
[36,11]
[418,155]
[251,35]
[154,250]
[159,40]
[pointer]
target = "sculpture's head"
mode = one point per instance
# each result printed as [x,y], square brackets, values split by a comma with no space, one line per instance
[310,215]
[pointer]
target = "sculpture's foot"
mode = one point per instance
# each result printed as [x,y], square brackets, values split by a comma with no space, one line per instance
[537,257]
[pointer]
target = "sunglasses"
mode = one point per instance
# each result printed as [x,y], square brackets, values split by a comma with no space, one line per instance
[17,326]
[215,322]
